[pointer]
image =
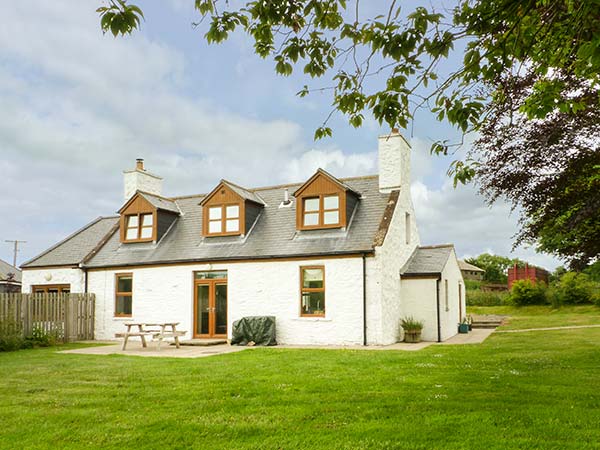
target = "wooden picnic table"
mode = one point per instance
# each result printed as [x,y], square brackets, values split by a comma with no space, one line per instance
[160,331]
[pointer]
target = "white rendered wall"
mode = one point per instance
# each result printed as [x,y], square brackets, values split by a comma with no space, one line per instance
[55,275]
[450,317]
[419,301]
[138,180]
[258,288]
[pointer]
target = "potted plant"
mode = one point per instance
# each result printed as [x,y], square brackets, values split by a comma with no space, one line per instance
[463,327]
[412,329]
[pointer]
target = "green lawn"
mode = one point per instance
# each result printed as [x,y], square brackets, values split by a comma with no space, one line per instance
[521,390]
[541,316]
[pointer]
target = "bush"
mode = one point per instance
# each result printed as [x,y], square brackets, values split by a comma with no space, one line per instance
[411,324]
[486,298]
[472,285]
[526,292]
[575,288]
[40,338]
[10,336]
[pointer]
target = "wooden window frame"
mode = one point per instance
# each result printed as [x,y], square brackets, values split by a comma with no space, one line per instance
[321,211]
[123,294]
[140,227]
[47,287]
[446,296]
[303,290]
[223,219]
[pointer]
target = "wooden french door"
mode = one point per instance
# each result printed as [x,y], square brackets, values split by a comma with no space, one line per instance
[210,308]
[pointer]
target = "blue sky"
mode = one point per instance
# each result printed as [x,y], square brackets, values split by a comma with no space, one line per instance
[79,107]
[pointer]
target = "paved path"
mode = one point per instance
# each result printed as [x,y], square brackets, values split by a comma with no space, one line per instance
[475,336]
[166,351]
[569,327]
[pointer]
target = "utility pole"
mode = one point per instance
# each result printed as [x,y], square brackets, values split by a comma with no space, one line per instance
[16,250]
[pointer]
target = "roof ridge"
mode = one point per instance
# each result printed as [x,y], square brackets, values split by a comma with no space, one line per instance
[274,186]
[425,247]
[68,238]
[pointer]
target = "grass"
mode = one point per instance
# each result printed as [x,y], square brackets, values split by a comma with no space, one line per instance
[531,390]
[541,316]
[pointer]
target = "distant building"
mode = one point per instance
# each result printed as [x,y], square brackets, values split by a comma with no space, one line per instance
[526,273]
[470,272]
[10,278]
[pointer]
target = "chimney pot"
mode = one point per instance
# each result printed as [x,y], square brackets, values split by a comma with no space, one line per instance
[395,131]
[139,164]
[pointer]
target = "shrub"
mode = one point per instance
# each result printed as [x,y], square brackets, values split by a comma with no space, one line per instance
[10,336]
[575,288]
[486,298]
[411,324]
[526,292]
[40,338]
[472,285]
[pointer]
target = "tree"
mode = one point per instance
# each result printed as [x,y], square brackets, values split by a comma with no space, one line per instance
[496,267]
[389,65]
[550,168]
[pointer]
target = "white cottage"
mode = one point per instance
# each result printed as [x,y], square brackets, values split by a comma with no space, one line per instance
[336,261]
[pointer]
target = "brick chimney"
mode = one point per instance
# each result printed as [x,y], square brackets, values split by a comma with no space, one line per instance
[394,162]
[139,179]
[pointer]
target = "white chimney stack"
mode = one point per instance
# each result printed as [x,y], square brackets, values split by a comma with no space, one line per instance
[394,162]
[139,179]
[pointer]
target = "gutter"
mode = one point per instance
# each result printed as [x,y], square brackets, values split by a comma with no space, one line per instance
[234,259]
[85,278]
[437,305]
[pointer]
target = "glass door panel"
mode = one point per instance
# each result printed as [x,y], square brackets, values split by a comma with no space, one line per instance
[202,309]
[220,309]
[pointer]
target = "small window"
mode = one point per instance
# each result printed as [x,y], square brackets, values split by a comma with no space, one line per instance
[224,219]
[123,295]
[312,291]
[322,211]
[407,227]
[139,227]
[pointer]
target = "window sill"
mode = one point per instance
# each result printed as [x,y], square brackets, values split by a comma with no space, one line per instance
[122,318]
[313,319]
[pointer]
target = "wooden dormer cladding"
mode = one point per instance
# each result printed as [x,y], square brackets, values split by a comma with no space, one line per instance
[229,210]
[136,213]
[143,221]
[324,202]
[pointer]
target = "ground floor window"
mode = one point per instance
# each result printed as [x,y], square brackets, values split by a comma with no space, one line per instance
[123,294]
[312,291]
[51,289]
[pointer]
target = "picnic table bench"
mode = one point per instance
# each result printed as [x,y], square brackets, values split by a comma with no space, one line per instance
[144,329]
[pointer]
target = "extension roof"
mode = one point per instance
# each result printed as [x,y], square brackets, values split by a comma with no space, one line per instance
[427,260]
[72,250]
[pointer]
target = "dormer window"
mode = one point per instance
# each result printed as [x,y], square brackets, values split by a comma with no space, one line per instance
[324,202]
[146,217]
[224,219]
[229,210]
[321,211]
[139,227]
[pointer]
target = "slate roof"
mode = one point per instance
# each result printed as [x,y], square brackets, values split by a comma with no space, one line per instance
[274,233]
[466,266]
[244,193]
[429,260]
[159,202]
[6,268]
[73,249]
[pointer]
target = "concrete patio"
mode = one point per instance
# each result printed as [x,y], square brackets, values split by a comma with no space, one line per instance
[134,348]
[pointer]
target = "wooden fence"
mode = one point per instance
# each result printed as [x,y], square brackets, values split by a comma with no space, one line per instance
[70,317]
